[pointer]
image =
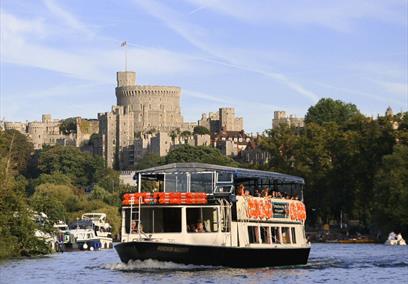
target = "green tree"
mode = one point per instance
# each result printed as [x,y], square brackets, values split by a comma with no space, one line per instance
[329,110]
[390,211]
[20,151]
[201,130]
[202,154]
[148,161]
[68,125]
[17,226]
[83,168]
[51,206]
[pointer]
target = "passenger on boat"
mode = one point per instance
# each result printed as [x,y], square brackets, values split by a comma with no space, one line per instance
[135,227]
[247,193]
[240,190]
[199,227]
[257,193]
[265,192]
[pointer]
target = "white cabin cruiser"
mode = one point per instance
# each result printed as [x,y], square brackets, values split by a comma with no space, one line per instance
[196,213]
[102,229]
[83,236]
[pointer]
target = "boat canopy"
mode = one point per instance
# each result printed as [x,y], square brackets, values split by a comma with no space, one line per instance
[238,173]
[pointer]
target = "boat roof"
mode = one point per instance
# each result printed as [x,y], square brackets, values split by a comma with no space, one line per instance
[237,172]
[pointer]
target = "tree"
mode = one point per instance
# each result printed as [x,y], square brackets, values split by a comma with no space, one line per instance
[185,134]
[17,224]
[202,154]
[390,211]
[83,168]
[329,110]
[68,126]
[20,151]
[148,161]
[201,130]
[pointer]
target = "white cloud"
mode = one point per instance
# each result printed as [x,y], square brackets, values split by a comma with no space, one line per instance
[199,38]
[21,45]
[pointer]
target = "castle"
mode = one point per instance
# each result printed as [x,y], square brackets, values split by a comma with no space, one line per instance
[280,117]
[48,131]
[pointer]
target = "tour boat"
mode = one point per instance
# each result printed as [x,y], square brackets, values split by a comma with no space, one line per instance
[202,214]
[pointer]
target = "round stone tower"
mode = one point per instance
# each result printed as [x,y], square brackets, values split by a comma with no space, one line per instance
[154,107]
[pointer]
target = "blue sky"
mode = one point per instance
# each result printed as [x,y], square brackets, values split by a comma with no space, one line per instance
[60,57]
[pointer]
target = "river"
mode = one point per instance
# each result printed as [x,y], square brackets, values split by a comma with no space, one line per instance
[328,263]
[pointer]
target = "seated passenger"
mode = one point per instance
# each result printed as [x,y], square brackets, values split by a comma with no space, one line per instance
[135,227]
[257,193]
[199,227]
[247,193]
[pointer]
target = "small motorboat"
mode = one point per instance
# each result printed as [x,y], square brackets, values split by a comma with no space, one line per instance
[395,240]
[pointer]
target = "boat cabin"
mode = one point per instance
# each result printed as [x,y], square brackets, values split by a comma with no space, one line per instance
[204,204]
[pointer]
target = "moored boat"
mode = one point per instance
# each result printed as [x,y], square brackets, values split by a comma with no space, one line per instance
[204,214]
[92,232]
[395,240]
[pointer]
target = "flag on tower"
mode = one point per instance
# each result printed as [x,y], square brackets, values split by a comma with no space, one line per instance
[123,44]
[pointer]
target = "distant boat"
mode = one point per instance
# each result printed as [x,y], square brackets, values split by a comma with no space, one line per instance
[92,232]
[357,241]
[395,240]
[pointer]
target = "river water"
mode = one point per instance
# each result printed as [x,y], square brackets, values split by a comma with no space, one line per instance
[328,263]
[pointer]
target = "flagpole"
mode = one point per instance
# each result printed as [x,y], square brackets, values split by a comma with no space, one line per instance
[126,57]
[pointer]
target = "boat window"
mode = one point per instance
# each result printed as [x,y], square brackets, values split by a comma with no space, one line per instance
[253,234]
[202,220]
[156,220]
[266,235]
[151,186]
[176,182]
[223,188]
[224,177]
[285,235]
[293,235]
[275,235]
[201,182]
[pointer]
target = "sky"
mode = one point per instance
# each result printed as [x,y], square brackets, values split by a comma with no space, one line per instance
[61,57]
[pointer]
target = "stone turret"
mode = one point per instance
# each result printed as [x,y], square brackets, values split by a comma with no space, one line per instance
[127,78]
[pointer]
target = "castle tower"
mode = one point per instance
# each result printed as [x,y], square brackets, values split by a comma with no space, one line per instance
[389,112]
[154,107]
[127,78]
